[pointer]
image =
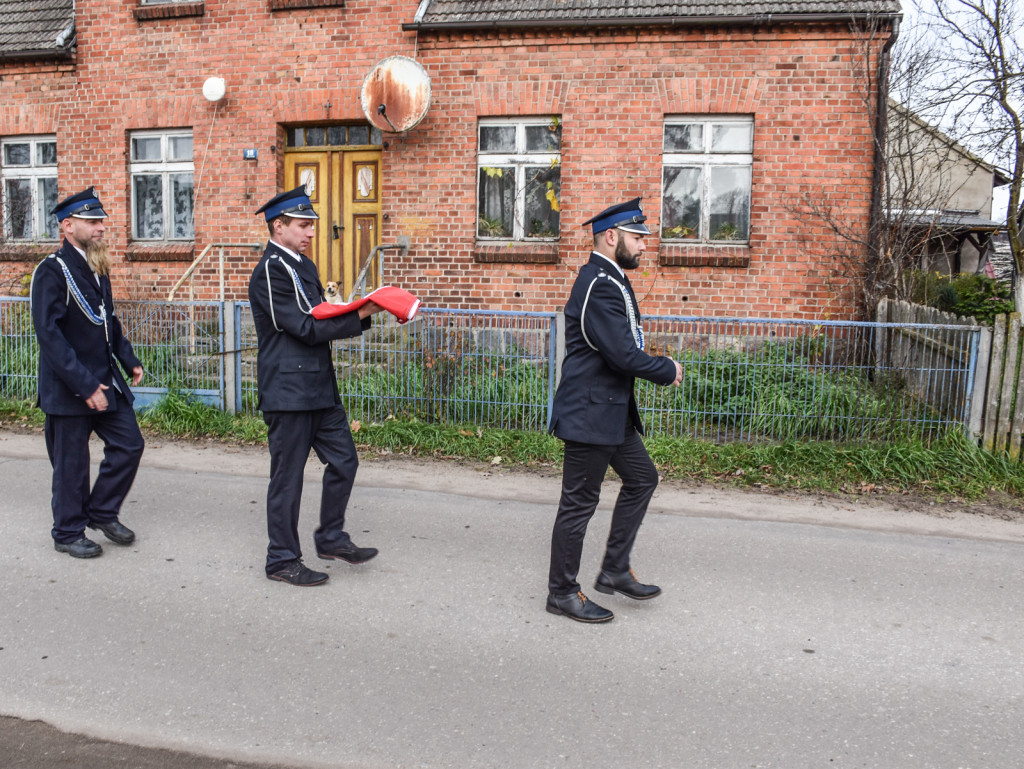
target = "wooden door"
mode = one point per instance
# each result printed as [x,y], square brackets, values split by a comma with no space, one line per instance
[344,187]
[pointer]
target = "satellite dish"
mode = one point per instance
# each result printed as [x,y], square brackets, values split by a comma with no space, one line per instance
[396,94]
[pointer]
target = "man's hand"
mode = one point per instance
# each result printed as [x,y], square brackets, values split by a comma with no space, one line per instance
[369,309]
[136,375]
[679,374]
[98,401]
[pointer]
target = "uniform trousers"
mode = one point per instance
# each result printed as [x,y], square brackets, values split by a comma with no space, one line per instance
[290,436]
[74,504]
[583,471]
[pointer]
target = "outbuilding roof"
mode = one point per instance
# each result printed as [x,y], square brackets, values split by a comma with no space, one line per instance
[36,28]
[502,13]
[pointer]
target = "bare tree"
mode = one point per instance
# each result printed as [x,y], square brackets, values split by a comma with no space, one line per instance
[976,92]
[907,84]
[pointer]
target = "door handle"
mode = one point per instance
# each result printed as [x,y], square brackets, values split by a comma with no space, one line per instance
[337,228]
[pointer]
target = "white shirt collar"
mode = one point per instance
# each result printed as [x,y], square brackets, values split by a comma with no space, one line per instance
[611,262]
[292,254]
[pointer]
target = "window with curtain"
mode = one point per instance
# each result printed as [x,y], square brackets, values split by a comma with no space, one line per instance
[162,192]
[28,188]
[519,178]
[706,175]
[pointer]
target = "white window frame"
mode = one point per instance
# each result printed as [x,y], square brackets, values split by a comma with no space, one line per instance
[705,159]
[165,168]
[519,159]
[33,171]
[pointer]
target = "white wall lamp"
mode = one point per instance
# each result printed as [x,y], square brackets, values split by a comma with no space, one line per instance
[214,88]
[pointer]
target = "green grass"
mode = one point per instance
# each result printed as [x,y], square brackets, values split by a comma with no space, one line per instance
[949,467]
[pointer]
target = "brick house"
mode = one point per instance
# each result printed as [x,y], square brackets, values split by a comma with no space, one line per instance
[723,116]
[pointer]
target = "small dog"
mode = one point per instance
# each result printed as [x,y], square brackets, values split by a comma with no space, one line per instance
[332,294]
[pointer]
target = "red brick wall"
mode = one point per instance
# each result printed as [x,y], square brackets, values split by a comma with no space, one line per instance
[611,89]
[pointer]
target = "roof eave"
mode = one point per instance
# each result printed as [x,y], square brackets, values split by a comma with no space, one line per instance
[40,54]
[763,19]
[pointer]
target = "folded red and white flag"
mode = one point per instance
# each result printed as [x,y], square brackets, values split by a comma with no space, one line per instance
[399,302]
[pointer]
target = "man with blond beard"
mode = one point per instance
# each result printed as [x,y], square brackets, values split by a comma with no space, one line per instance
[82,389]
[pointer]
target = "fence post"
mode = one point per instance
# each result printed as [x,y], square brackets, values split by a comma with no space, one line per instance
[995,371]
[881,351]
[1017,425]
[981,366]
[1009,374]
[230,357]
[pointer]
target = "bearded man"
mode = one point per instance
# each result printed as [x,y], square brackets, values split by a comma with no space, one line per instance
[82,389]
[596,415]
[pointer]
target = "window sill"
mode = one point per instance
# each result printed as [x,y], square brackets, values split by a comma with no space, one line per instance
[160,252]
[517,252]
[26,252]
[287,5]
[675,254]
[155,11]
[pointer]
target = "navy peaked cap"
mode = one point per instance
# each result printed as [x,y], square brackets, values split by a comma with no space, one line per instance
[81,205]
[294,203]
[624,216]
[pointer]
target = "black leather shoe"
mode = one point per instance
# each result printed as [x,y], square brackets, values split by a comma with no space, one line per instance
[349,553]
[115,531]
[82,547]
[625,583]
[296,573]
[578,607]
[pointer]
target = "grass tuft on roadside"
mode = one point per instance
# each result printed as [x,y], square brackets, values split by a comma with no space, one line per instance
[949,468]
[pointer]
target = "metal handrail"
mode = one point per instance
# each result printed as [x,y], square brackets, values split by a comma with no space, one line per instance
[195,263]
[360,281]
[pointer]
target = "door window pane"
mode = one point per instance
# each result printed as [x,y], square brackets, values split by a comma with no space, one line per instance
[359,134]
[336,135]
[316,136]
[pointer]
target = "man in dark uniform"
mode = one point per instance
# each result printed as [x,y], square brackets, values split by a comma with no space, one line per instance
[298,392]
[81,387]
[595,413]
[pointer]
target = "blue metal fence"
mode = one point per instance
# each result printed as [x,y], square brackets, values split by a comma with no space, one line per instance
[748,379]
[455,366]
[744,379]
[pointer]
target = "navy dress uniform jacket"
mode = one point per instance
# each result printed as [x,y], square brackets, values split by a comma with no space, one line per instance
[602,359]
[295,369]
[75,354]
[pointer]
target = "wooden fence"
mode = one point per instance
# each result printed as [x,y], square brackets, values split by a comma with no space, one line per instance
[996,416]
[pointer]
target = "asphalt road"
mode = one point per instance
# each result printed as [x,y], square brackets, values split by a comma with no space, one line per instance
[791,633]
